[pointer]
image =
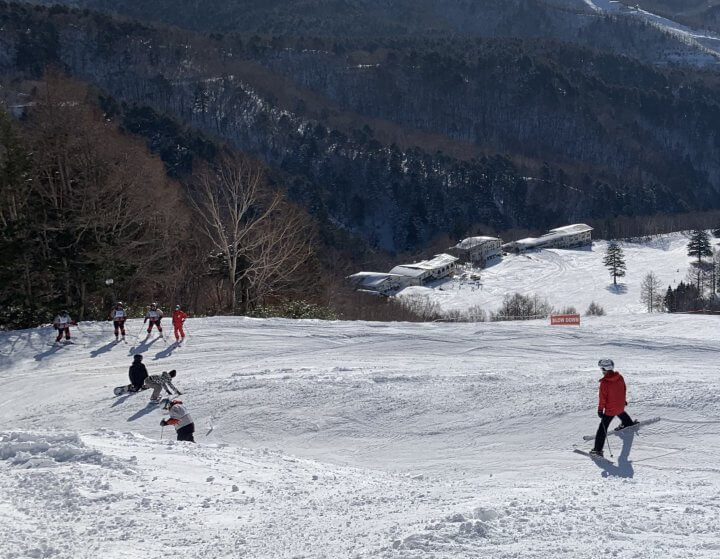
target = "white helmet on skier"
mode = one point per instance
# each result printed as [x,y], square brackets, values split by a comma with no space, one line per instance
[606,364]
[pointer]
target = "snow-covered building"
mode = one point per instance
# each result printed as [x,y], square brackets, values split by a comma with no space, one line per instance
[478,250]
[567,236]
[379,282]
[420,272]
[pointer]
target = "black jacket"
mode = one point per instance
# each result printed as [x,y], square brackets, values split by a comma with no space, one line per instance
[138,374]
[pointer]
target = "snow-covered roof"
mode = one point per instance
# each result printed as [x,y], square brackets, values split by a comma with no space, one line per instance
[439,261]
[408,271]
[472,242]
[371,279]
[526,241]
[571,229]
[557,233]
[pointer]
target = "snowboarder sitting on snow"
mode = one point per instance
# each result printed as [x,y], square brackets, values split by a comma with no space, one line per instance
[160,382]
[181,419]
[62,324]
[154,315]
[118,316]
[611,404]
[178,319]
[138,373]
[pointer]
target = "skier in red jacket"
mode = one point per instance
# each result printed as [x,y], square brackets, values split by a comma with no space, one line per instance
[611,404]
[178,319]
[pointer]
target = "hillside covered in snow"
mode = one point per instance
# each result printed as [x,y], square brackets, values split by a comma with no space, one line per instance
[568,277]
[346,439]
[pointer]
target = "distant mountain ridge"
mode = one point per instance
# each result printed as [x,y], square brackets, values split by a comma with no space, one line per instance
[403,139]
[565,20]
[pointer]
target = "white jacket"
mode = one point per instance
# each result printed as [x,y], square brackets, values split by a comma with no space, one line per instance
[154,315]
[182,416]
[118,314]
[62,321]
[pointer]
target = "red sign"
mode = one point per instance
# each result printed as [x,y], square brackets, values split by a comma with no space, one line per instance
[565,319]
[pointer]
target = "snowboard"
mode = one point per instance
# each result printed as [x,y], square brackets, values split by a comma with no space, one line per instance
[631,428]
[120,390]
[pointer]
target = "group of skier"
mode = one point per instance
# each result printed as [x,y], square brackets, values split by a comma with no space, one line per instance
[611,403]
[118,316]
[180,418]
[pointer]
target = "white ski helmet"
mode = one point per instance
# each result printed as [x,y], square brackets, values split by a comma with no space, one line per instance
[606,364]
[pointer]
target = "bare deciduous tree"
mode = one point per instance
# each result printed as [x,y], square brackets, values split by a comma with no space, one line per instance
[262,240]
[651,292]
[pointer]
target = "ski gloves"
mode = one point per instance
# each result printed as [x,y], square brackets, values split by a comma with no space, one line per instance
[600,414]
[163,423]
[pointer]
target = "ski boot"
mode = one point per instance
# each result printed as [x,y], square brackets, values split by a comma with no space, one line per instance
[594,452]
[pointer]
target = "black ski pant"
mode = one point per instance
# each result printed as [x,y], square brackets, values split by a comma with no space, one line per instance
[186,433]
[604,423]
[155,323]
[119,325]
[64,330]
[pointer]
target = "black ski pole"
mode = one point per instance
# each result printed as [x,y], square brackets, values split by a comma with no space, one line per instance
[607,440]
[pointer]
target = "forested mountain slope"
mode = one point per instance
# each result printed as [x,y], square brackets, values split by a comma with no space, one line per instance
[408,138]
[567,20]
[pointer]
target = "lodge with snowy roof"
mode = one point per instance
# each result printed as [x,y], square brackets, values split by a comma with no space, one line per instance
[405,275]
[420,272]
[478,250]
[567,236]
[378,282]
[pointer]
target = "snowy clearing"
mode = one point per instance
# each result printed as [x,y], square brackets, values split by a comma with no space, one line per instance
[339,439]
[567,277]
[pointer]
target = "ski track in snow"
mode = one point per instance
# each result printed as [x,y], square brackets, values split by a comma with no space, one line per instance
[350,439]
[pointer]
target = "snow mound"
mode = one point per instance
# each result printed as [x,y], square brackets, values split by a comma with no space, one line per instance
[453,532]
[36,450]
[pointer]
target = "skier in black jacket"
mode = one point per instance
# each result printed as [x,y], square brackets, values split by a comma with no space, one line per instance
[138,373]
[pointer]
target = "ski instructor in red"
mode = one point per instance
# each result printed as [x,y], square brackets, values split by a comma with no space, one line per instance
[179,318]
[611,404]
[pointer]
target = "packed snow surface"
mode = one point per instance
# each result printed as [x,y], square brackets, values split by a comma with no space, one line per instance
[568,277]
[341,439]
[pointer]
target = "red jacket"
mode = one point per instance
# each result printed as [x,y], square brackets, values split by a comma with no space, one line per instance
[612,394]
[178,318]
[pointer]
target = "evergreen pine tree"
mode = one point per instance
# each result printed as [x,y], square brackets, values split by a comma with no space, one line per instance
[699,245]
[669,300]
[615,261]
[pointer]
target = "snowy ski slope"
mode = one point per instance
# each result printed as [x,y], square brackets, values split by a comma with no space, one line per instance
[569,277]
[707,42]
[339,439]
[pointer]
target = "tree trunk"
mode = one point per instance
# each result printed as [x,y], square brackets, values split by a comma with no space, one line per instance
[83,291]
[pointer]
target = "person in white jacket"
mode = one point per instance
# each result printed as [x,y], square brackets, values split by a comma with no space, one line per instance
[154,315]
[62,324]
[160,382]
[181,419]
[118,317]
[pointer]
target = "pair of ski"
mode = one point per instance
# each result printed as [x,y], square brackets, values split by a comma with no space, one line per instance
[610,433]
[61,343]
